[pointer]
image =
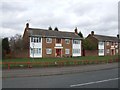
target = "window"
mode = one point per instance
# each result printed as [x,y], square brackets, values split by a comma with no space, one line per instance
[48,51]
[101,51]
[67,41]
[76,41]
[58,40]
[35,39]
[67,51]
[31,50]
[117,51]
[108,50]
[76,51]
[112,43]
[35,50]
[101,43]
[48,40]
[108,43]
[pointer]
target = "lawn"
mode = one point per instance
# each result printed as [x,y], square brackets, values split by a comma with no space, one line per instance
[61,59]
[56,61]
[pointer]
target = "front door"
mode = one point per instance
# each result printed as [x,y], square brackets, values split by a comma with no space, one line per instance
[58,52]
[113,52]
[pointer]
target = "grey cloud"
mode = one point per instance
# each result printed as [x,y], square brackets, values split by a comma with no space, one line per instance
[86,15]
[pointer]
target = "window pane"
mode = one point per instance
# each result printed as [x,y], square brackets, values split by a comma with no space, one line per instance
[67,41]
[67,51]
[49,40]
[48,51]
[31,39]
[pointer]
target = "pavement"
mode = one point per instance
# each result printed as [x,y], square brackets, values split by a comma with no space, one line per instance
[30,72]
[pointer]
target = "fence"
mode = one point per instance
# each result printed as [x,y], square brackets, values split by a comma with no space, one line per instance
[9,65]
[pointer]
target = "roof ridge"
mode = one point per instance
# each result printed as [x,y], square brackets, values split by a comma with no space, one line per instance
[51,30]
[105,35]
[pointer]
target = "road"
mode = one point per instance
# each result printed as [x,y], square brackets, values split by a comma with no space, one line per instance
[107,78]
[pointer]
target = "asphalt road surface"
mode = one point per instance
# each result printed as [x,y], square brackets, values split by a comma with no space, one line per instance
[93,79]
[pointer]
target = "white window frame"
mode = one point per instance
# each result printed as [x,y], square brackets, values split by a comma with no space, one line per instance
[76,41]
[48,51]
[48,40]
[36,39]
[101,43]
[108,43]
[67,51]
[76,51]
[35,50]
[101,50]
[108,50]
[67,41]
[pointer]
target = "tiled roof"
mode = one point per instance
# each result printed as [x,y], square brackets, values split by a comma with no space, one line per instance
[105,38]
[52,33]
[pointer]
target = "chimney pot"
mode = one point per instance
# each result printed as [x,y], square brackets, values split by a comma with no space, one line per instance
[27,25]
[76,31]
[92,33]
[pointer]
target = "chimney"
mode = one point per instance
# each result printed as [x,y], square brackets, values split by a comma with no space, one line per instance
[92,33]
[76,32]
[27,25]
[117,35]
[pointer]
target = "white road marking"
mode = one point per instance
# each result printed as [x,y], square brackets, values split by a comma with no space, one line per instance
[83,84]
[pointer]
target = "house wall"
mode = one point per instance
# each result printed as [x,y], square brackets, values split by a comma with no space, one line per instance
[26,42]
[112,48]
[91,52]
[48,45]
[95,41]
[66,46]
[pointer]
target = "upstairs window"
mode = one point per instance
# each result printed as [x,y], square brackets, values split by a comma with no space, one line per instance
[35,39]
[48,40]
[67,41]
[76,41]
[108,43]
[101,43]
[58,40]
[112,43]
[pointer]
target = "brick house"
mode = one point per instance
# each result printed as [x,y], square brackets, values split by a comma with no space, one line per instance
[50,43]
[106,45]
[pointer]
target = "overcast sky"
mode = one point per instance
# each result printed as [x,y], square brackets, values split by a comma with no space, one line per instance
[100,16]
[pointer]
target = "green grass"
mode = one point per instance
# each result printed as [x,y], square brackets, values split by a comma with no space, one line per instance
[61,59]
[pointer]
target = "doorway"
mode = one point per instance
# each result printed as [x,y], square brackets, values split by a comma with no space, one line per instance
[58,52]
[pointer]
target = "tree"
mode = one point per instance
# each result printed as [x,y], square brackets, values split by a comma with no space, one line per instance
[50,28]
[5,47]
[80,34]
[89,45]
[56,29]
[16,42]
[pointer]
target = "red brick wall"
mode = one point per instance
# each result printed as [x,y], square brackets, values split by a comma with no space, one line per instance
[66,46]
[20,54]
[91,52]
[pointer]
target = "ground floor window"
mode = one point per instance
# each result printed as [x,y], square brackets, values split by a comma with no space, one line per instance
[116,51]
[101,50]
[76,51]
[108,50]
[35,50]
[67,51]
[48,51]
